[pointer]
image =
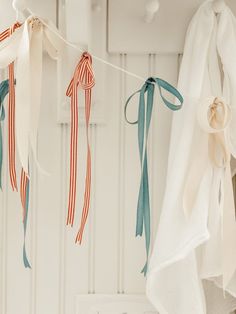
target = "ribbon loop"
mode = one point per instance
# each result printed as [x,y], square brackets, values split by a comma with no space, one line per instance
[214,116]
[144,121]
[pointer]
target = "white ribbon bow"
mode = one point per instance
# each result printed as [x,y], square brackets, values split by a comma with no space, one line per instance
[26,46]
[211,147]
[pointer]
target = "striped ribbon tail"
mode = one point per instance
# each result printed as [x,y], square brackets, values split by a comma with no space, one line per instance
[24,194]
[88,169]
[83,77]
[4,89]
[11,112]
[11,129]
[143,122]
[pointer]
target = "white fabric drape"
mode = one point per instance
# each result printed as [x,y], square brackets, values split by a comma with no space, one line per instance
[194,256]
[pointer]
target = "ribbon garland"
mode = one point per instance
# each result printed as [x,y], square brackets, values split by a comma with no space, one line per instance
[144,120]
[29,40]
[83,77]
[11,112]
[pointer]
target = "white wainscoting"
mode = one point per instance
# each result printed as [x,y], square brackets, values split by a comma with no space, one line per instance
[110,258]
[113,304]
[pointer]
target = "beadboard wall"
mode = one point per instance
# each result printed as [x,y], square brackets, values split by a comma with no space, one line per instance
[110,258]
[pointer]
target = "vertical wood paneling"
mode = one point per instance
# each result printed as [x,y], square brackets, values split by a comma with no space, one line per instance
[121,178]
[92,216]
[48,207]
[33,235]
[134,248]
[4,205]
[107,198]
[62,264]
[16,275]
[77,256]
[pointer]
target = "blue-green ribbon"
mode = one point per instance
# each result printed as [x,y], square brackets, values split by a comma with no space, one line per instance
[144,120]
[4,90]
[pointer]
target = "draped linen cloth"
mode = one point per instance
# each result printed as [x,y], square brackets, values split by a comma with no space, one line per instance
[193,263]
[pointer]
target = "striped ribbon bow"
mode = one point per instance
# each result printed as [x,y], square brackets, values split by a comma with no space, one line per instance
[144,120]
[83,77]
[11,112]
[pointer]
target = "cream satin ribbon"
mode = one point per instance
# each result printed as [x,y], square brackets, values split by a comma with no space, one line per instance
[214,116]
[26,46]
[212,148]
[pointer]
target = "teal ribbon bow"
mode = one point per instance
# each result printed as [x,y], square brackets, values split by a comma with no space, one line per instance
[4,90]
[144,120]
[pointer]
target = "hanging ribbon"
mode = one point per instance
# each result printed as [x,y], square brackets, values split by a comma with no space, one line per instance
[25,44]
[11,112]
[83,77]
[4,89]
[24,193]
[144,120]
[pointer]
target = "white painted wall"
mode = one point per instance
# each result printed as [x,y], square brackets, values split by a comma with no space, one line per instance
[110,259]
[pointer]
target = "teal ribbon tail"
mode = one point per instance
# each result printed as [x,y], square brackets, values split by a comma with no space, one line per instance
[25,258]
[1,155]
[144,120]
[4,89]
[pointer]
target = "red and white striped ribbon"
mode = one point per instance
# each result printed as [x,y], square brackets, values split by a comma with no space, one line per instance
[83,77]
[11,112]
[23,191]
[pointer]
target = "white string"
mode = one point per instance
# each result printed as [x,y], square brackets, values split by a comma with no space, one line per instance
[94,57]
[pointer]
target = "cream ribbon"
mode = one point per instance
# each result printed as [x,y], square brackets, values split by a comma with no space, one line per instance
[211,148]
[214,116]
[26,46]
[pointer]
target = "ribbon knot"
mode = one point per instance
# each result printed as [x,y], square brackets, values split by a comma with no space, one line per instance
[214,117]
[83,77]
[143,121]
[217,114]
